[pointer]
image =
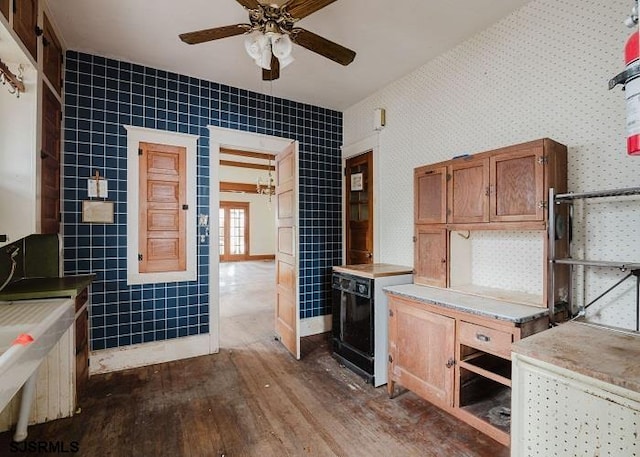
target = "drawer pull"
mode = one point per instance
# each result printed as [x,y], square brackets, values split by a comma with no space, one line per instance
[484,338]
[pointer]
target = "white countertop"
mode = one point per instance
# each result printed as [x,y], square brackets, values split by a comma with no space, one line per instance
[608,355]
[374,270]
[458,301]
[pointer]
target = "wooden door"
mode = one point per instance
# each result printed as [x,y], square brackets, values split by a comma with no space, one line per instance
[422,349]
[162,222]
[234,229]
[25,20]
[287,304]
[517,185]
[430,256]
[359,209]
[430,200]
[52,56]
[469,191]
[4,8]
[50,166]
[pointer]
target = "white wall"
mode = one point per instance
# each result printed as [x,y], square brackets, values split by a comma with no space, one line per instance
[18,123]
[261,216]
[540,72]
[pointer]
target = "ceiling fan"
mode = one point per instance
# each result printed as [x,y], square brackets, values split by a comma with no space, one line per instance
[271,30]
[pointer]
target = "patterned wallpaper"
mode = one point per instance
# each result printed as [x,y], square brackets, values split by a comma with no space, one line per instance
[540,72]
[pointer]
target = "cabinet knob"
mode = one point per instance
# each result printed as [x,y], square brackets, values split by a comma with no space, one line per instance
[451,362]
[443,260]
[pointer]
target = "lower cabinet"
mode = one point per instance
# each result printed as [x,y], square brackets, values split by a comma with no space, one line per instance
[82,342]
[458,361]
[421,352]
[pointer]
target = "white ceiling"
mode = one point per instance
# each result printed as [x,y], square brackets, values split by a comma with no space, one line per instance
[391,38]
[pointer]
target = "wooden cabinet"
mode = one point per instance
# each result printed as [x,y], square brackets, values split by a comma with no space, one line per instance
[82,342]
[4,8]
[25,22]
[52,55]
[468,191]
[456,359]
[50,156]
[422,350]
[430,203]
[430,256]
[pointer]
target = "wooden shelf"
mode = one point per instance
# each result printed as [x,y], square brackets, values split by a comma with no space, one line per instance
[489,366]
[488,401]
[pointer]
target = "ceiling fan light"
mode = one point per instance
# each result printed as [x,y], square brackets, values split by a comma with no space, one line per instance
[271,28]
[284,61]
[252,45]
[265,57]
[281,46]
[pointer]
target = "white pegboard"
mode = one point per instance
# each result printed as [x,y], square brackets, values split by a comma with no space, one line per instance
[567,416]
[540,72]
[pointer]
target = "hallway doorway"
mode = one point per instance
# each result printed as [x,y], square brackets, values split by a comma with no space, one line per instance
[247,302]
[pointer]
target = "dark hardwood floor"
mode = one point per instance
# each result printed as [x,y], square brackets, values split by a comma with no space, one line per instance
[254,400]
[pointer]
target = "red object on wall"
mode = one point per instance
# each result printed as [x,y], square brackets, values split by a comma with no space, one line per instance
[632,94]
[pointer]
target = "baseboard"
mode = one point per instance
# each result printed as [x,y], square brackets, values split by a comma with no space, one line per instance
[139,355]
[247,258]
[314,325]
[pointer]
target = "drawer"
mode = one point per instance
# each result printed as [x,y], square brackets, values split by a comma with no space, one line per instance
[486,339]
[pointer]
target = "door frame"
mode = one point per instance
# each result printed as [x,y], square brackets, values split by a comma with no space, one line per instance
[370,143]
[248,141]
[247,229]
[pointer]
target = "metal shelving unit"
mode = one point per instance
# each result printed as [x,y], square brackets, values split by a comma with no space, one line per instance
[632,267]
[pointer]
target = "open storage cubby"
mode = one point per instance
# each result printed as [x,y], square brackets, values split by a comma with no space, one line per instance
[486,399]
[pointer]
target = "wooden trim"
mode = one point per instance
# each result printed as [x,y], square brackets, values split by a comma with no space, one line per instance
[249,258]
[255,155]
[238,187]
[256,166]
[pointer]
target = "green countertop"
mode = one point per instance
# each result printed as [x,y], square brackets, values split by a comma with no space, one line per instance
[33,288]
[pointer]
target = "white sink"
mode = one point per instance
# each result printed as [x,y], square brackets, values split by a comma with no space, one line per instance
[45,321]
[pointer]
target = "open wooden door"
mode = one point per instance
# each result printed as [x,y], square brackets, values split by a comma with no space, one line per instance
[287,304]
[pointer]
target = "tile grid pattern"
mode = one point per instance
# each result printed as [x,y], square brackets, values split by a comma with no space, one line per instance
[101,96]
[540,72]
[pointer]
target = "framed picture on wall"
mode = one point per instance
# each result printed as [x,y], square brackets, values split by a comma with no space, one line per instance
[357,182]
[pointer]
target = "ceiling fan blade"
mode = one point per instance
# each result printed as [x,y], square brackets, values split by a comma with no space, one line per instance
[202,36]
[322,46]
[302,8]
[249,4]
[274,73]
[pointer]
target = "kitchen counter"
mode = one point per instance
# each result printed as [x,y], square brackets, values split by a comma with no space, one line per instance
[608,355]
[374,270]
[36,288]
[481,306]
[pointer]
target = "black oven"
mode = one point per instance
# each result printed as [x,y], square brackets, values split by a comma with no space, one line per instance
[353,329]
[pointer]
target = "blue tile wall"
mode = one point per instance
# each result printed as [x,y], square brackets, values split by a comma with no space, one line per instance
[101,96]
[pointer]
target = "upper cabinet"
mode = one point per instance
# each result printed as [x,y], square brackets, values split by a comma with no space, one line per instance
[498,189]
[430,195]
[25,24]
[468,191]
[4,8]
[52,55]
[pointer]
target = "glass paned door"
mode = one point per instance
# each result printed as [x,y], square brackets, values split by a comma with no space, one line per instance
[233,233]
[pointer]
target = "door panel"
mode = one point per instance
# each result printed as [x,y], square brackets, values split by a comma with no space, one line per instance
[234,231]
[431,195]
[287,308]
[359,209]
[430,256]
[4,8]
[25,19]
[162,216]
[517,183]
[468,191]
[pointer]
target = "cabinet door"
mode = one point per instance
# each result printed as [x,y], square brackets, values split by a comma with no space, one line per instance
[468,191]
[430,199]
[430,256]
[52,56]
[517,186]
[421,344]
[4,8]
[50,155]
[25,20]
